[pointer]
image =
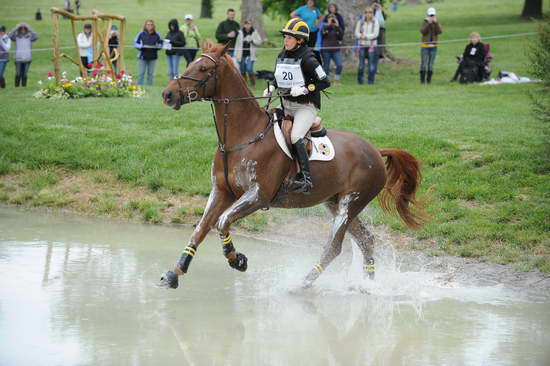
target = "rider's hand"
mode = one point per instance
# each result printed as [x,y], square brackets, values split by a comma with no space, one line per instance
[269,90]
[296,91]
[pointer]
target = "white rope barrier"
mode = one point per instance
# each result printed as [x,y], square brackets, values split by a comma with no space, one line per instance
[403,44]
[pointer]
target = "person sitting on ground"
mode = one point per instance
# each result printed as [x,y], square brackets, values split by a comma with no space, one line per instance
[299,73]
[85,48]
[474,54]
[248,40]
[190,31]
[332,39]
[23,36]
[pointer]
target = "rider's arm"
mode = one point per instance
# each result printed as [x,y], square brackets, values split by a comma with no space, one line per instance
[312,67]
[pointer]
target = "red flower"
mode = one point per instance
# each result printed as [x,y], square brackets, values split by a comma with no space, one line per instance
[122,72]
[50,73]
[89,66]
[94,73]
[108,72]
[118,76]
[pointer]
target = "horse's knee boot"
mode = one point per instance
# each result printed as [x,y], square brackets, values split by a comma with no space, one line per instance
[186,258]
[236,260]
[368,268]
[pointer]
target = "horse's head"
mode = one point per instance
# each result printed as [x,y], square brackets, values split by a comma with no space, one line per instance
[200,78]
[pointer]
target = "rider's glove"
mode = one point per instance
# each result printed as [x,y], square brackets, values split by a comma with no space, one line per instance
[269,90]
[296,91]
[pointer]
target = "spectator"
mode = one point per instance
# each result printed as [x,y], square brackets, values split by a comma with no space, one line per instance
[113,45]
[381,18]
[332,37]
[366,31]
[85,42]
[333,10]
[68,6]
[5,45]
[394,5]
[227,31]
[77,6]
[38,15]
[190,30]
[312,16]
[177,42]
[245,50]
[474,53]
[148,42]
[430,29]
[23,37]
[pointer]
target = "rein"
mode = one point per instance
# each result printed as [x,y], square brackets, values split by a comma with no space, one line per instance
[192,95]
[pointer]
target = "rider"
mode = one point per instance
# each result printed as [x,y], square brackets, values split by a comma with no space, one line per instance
[299,73]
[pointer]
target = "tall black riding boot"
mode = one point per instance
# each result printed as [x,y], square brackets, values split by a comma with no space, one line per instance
[17,81]
[429,78]
[24,81]
[2,83]
[422,77]
[303,184]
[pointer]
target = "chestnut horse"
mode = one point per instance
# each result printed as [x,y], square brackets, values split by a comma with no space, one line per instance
[249,169]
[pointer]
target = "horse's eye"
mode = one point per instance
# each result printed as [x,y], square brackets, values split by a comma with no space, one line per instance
[203,69]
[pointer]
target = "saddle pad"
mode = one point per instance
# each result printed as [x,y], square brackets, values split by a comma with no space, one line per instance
[322,149]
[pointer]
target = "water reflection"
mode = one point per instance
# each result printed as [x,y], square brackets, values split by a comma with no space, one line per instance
[82,291]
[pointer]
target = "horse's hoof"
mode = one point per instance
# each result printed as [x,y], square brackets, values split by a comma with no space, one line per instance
[240,263]
[169,280]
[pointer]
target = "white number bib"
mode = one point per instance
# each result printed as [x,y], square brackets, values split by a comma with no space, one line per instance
[288,73]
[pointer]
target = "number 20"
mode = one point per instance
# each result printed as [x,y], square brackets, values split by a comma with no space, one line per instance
[287,75]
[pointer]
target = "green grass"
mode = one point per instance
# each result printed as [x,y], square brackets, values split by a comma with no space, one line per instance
[484,162]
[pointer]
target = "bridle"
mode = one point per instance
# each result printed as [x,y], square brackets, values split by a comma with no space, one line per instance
[193,95]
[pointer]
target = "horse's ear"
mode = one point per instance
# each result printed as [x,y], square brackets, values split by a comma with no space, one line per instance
[223,50]
[207,45]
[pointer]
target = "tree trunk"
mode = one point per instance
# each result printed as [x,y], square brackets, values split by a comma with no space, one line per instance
[532,9]
[252,10]
[206,8]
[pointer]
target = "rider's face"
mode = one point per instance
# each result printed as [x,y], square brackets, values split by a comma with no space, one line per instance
[290,42]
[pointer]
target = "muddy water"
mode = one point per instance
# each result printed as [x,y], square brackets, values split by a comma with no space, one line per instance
[81,291]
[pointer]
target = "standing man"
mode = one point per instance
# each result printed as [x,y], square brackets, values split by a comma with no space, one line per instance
[227,31]
[430,30]
[312,16]
[381,18]
[190,31]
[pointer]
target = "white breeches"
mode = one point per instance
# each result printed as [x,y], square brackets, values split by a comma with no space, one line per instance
[304,116]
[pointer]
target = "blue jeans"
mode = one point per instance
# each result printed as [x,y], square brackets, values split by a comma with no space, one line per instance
[335,55]
[3,64]
[173,66]
[148,65]
[246,65]
[372,65]
[21,69]
[427,57]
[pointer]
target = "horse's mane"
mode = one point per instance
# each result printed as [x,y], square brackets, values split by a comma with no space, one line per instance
[210,47]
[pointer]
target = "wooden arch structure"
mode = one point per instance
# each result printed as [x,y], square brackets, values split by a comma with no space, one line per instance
[101,26]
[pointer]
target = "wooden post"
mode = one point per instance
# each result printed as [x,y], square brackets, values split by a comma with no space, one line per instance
[82,68]
[122,65]
[56,55]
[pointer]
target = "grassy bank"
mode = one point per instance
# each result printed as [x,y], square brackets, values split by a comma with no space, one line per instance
[485,172]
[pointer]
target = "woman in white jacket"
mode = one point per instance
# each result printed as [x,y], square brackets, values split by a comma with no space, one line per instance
[366,31]
[5,45]
[245,50]
[85,42]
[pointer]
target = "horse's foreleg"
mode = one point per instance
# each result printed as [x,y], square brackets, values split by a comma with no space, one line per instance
[365,241]
[248,203]
[218,201]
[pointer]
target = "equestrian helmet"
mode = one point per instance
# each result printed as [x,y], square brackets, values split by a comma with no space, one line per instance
[296,28]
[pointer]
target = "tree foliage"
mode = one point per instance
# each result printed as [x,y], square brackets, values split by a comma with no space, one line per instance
[539,57]
[206,8]
[283,8]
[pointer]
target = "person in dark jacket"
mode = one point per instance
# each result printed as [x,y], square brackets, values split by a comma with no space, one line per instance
[5,45]
[474,54]
[430,30]
[333,10]
[148,43]
[302,78]
[177,42]
[332,38]
[113,45]
[227,31]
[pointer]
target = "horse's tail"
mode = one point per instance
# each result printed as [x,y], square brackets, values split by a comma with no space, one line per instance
[403,179]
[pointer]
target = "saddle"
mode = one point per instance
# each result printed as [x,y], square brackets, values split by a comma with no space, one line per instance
[286,122]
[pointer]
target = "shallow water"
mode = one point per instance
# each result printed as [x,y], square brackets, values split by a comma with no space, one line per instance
[82,291]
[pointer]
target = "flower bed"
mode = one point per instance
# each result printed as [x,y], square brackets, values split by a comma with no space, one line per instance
[97,84]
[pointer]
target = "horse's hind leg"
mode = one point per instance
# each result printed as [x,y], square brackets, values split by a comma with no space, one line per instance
[365,241]
[344,212]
